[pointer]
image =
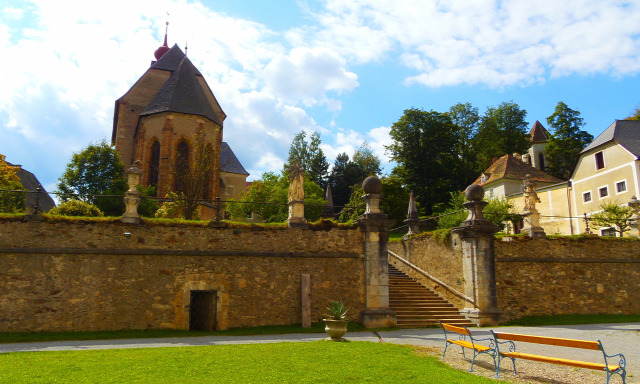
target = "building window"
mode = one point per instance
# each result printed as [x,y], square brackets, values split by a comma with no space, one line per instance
[599,160]
[603,192]
[621,186]
[541,161]
[608,232]
[154,164]
[586,197]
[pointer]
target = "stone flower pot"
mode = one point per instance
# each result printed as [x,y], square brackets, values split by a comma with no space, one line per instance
[336,329]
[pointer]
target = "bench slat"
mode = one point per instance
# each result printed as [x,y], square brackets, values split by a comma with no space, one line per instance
[467,344]
[453,328]
[556,360]
[584,344]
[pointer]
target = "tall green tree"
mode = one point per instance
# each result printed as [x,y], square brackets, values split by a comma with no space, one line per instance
[466,119]
[10,202]
[566,141]
[424,149]
[502,130]
[349,173]
[94,171]
[395,201]
[311,157]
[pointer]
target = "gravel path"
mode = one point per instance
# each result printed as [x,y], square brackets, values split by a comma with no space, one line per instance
[616,338]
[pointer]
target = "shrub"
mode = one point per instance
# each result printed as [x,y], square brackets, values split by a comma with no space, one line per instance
[76,208]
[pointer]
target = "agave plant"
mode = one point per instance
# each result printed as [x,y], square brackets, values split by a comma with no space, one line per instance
[337,310]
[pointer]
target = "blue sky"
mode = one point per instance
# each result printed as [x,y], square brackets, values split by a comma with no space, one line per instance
[346,69]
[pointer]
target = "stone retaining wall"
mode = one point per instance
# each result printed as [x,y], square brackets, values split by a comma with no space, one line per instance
[544,276]
[107,276]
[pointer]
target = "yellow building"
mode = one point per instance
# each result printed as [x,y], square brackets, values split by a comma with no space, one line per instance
[607,170]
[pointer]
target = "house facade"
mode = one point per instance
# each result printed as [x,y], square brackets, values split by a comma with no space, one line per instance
[607,170]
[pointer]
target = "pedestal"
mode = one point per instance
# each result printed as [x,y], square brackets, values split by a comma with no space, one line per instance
[296,215]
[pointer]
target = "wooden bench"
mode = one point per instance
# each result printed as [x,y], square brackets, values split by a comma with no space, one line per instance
[462,337]
[509,338]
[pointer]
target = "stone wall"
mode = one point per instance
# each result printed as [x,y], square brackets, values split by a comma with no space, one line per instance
[106,276]
[543,276]
[564,276]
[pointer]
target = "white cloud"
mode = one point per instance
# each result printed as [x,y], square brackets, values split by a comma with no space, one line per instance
[307,74]
[486,42]
[12,13]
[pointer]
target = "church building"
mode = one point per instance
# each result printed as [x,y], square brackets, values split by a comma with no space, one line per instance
[166,121]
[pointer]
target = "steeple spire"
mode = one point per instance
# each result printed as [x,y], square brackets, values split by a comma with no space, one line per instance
[164,48]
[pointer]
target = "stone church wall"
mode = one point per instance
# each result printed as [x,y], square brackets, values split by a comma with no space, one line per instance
[108,276]
[545,276]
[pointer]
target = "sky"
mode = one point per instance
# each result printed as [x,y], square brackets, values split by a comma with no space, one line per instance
[346,69]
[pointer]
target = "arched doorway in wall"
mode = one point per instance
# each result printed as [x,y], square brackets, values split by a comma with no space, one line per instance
[202,310]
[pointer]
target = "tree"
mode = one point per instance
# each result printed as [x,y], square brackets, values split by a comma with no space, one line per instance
[466,118]
[268,198]
[348,173]
[424,149]
[635,115]
[192,174]
[10,202]
[499,211]
[566,141]
[96,170]
[395,201]
[502,130]
[614,216]
[311,157]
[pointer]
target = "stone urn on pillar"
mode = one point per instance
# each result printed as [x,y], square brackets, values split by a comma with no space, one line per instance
[375,226]
[132,196]
[478,260]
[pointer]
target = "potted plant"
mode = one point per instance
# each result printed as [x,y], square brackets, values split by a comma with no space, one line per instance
[336,321]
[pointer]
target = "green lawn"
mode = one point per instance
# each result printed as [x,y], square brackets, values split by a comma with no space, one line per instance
[533,321]
[309,362]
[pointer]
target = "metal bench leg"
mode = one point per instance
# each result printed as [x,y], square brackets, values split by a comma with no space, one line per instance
[446,345]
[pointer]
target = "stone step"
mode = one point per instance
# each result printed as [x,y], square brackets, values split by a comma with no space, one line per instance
[418,306]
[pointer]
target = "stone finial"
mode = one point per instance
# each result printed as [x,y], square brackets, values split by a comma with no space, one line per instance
[475,205]
[133,176]
[413,221]
[328,208]
[132,196]
[372,186]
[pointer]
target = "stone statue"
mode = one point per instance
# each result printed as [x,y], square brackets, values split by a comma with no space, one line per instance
[296,182]
[530,195]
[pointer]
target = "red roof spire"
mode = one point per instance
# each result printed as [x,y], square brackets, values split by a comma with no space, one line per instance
[164,48]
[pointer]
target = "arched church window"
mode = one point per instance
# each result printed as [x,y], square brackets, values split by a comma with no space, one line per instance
[541,161]
[154,164]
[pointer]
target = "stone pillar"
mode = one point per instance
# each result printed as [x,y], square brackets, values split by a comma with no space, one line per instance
[375,226]
[478,260]
[132,196]
[296,197]
[413,221]
[634,220]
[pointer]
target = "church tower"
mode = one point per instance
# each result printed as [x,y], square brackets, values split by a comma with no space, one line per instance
[165,117]
[539,138]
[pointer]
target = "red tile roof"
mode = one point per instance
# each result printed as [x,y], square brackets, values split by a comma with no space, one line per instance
[508,167]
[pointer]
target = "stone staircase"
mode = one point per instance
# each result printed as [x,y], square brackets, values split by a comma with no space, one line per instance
[417,306]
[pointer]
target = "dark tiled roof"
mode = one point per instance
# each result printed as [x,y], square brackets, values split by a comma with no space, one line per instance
[30,182]
[182,92]
[229,162]
[624,132]
[508,167]
[538,133]
[171,60]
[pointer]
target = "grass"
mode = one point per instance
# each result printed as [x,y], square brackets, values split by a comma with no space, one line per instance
[309,362]
[24,337]
[573,319]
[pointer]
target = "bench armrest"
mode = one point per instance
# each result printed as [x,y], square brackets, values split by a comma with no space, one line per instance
[512,345]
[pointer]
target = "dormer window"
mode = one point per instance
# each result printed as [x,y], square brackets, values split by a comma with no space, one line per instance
[485,177]
[599,160]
